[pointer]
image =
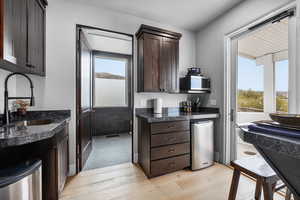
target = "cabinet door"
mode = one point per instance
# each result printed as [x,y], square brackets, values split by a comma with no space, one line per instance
[62,163]
[20,31]
[36,37]
[151,76]
[15,32]
[169,65]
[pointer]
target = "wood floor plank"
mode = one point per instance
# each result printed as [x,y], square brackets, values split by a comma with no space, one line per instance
[128,182]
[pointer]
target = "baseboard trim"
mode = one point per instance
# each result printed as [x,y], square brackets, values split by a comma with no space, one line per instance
[135,158]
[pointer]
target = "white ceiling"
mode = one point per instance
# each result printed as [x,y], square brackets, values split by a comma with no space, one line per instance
[187,14]
[108,42]
[269,39]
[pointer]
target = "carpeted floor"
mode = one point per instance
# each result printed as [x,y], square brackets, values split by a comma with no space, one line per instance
[109,151]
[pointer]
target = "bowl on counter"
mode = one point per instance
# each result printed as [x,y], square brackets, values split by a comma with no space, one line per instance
[286,119]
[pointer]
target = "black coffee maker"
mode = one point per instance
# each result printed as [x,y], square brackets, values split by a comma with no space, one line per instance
[194,71]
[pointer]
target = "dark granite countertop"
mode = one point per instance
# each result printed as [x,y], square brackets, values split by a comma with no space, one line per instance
[15,135]
[174,114]
[281,152]
[281,144]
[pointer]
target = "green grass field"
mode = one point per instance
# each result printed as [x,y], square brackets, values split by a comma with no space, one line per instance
[253,101]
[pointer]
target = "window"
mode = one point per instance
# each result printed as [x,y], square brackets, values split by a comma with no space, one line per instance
[250,86]
[281,85]
[110,81]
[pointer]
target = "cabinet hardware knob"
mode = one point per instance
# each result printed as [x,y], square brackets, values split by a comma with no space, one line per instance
[172,138]
[30,65]
[171,150]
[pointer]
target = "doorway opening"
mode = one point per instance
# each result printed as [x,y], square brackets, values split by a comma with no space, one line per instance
[262,77]
[104,98]
[259,80]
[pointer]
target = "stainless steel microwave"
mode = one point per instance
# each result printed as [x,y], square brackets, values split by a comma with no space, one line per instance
[195,84]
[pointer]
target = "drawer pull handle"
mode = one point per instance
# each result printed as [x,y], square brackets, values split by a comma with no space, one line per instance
[171,150]
[30,65]
[171,139]
[171,126]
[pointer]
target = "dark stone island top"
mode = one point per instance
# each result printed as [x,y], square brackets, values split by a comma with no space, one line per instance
[281,144]
[16,134]
[281,152]
[175,114]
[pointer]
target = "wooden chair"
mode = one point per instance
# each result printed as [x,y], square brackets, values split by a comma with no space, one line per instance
[257,168]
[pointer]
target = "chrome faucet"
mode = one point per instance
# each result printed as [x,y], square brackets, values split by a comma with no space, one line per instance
[6,118]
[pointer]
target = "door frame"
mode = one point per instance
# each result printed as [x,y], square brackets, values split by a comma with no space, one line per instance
[78,92]
[229,147]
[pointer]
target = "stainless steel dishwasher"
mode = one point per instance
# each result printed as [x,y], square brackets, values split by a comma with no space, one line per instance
[22,181]
[202,144]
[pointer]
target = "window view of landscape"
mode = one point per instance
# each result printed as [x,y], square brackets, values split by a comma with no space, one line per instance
[110,82]
[281,85]
[250,86]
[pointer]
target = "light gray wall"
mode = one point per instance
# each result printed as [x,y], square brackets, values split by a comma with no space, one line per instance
[210,48]
[11,87]
[57,89]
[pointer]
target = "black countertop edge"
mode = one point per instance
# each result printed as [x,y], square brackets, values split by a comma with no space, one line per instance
[288,146]
[176,114]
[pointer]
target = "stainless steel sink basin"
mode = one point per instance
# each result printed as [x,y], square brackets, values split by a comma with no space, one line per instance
[34,122]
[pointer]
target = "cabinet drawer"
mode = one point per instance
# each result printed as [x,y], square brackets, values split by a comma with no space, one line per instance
[170,127]
[170,150]
[168,165]
[170,138]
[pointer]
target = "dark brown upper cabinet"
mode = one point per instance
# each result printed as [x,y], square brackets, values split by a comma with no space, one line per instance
[22,36]
[158,57]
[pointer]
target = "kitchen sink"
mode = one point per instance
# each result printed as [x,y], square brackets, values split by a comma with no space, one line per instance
[34,122]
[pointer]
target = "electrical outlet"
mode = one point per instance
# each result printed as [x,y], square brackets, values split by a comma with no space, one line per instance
[213,102]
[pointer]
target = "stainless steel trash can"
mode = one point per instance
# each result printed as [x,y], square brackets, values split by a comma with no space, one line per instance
[202,144]
[22,182]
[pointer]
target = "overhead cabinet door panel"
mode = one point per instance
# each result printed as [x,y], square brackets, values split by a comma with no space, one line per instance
[152,46]
[15,30]
[169,65]
[20,31]
[35,37]
[22,37]
[157,59]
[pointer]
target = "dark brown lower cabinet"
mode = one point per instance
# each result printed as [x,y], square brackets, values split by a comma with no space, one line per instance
[54,154]
[163,147]
[62,162]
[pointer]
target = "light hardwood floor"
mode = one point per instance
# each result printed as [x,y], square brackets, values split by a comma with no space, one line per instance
[127,182]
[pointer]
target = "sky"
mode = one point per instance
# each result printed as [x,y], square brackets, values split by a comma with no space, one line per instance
[116,67]
[251,76]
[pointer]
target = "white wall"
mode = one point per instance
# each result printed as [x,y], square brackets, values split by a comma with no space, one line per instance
[57,89]
[210,47]
[11,87]
[109,44]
